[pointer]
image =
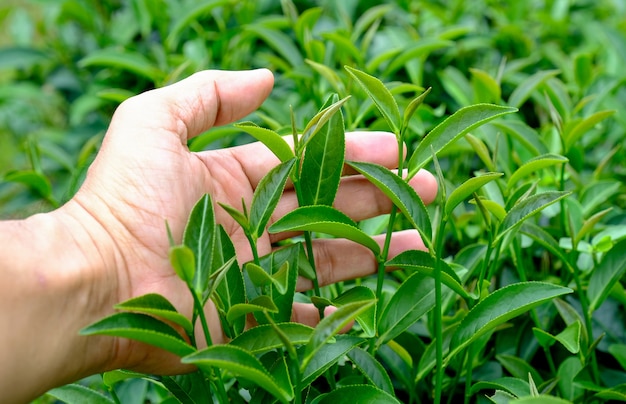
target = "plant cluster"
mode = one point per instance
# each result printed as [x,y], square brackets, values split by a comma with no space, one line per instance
[520,294]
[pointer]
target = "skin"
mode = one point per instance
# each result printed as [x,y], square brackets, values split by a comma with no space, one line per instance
[63,270]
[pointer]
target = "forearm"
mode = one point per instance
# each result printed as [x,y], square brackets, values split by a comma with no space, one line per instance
[49,290]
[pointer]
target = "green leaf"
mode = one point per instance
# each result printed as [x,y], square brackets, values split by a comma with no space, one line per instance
[280,42]
[524,134]
[453,128]
[263,338]
[526,208]
[241,364]
[486,88]
[575,133]
[519,368]
[229,287]
[21,58]
[327,355]
[318,122]
[414,298]
[329,74]
[125,60]
[261,303]
[259,277]
[381,97]
[324,219]
[569,337]
[199,236]
[619,353]
[362,394]
[157,305]
[606,274]
[36,181]
[401,194]
[238,216]
[186,17]
[540,399]
[143,328]
[466,189]
[526,88]
[512,385]
[423,262]
[267,195]
[330,326]
[362,294]
[373,371]
[183,262]
[269,138]
[76,394]
[534,165]
[323,162]
[501,306]
[412,107]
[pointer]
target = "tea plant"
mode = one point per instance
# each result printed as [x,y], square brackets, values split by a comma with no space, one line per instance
[519,295]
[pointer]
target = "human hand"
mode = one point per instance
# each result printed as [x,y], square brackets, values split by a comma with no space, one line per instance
[145,175]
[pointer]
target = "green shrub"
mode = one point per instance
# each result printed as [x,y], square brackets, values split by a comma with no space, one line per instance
[521,295]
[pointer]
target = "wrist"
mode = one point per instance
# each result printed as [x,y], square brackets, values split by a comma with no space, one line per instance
[57,280]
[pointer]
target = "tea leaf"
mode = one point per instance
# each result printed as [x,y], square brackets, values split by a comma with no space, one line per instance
[267,195]
[534,165]
[76,393]
[619,353]
[323,163]
[330,326]
[499,307]
[541,399]
[416,49]
[184,263]
[317,123]
[512,385]
[228,287]
[401,194]
[381,97]
[526,88]
[575,133]
[373,371]
[569,337]
[282,43]
[526,208]
[156,305]
[524,134]
[261,303]
[453,128]
[327,355]
[187,16]
[269,138]
[366,319]
[605,275]
[362,394]
[423,262]
[414,298]
[36,181]
[486,88]
[199,237]
[143,328]
[241,364]
[123,59]
[263,338]
[466,189]
[324,219]
[412,107]
[237,216]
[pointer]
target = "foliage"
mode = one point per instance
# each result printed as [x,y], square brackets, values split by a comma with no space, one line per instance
[520,296]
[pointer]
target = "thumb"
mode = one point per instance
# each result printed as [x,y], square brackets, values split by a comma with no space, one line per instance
[193,105]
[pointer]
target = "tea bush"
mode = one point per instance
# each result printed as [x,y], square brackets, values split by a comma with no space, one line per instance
[514,105]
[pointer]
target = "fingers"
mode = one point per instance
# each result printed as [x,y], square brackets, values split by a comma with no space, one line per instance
[338,260]
[308,314]
[193,105]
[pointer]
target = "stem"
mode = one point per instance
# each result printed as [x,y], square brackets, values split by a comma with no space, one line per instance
[216,375]
[385,253]
[438,312]
[468,373]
